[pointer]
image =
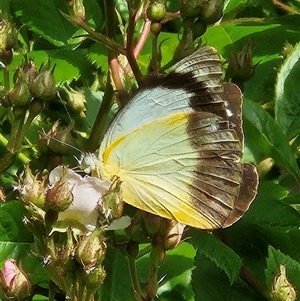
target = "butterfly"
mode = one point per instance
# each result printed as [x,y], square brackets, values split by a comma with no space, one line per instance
[177,147]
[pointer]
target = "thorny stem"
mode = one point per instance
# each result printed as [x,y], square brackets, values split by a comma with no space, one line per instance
[138,293]
[106,41]
[130,47]
[112,55]
[285,7]
[141,42]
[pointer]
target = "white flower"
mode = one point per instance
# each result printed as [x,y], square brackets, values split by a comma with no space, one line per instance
[87,196]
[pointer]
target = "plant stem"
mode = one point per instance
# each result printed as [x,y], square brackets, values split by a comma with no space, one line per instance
[156,257]
[112,55]
[16,138]
[106,41]
[98,129]
[137,290]
[6,79]
[130,47]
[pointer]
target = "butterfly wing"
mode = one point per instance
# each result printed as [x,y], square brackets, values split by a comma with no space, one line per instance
[177,147]
[193,84]
[184,166]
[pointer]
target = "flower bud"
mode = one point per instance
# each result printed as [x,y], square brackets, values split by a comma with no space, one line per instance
[59,195]
[208,11]
[173,235]
[190,8]
[32,190]
[59,139]
[240,67]
[14,282]
[8,35]
[155,28]
[156,11]
[91,251]
[75,99]
[93,279]
[136,230]
[29,71]
[282,288]
[212,11]
[77,10]
[43,86]
[6,56]
[20,94]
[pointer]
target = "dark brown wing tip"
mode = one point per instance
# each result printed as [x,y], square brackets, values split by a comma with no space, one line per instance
[247,194]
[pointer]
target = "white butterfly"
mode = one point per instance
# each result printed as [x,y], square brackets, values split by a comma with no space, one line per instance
[177,147]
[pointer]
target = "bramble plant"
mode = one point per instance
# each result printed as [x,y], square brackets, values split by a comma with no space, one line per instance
[66,68]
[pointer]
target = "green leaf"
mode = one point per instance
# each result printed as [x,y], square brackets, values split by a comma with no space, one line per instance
[224,257]
[287,94]
[211,283]
[228,36]
[270,210]
[117,284]
[175,274]
[12,228]
[275,258]
[44,18]
[265,138]
[69,64]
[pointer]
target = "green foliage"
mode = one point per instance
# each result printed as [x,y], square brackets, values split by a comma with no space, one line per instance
[238,263]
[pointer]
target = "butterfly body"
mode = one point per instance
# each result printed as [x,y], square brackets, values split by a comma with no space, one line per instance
[176,149]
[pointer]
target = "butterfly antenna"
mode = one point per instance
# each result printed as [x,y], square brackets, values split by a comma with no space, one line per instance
[48,137]
[58,95]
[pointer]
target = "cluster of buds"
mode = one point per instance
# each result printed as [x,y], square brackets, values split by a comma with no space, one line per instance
[14,282]
[167,233]
[8,40]
[66,218]
[31,84]
[196,16]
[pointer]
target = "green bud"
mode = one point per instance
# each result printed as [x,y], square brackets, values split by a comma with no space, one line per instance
[240,67]
[91,251]
[59,195]
[8,35]
[283,290]
[156,11]
[29,71]
[77,10]
[208,11]
[190,8]
[136,230]
[20,94]
[59,139]
[43,86]
[155,28]
[32,190]
[75,99]
[95,278]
